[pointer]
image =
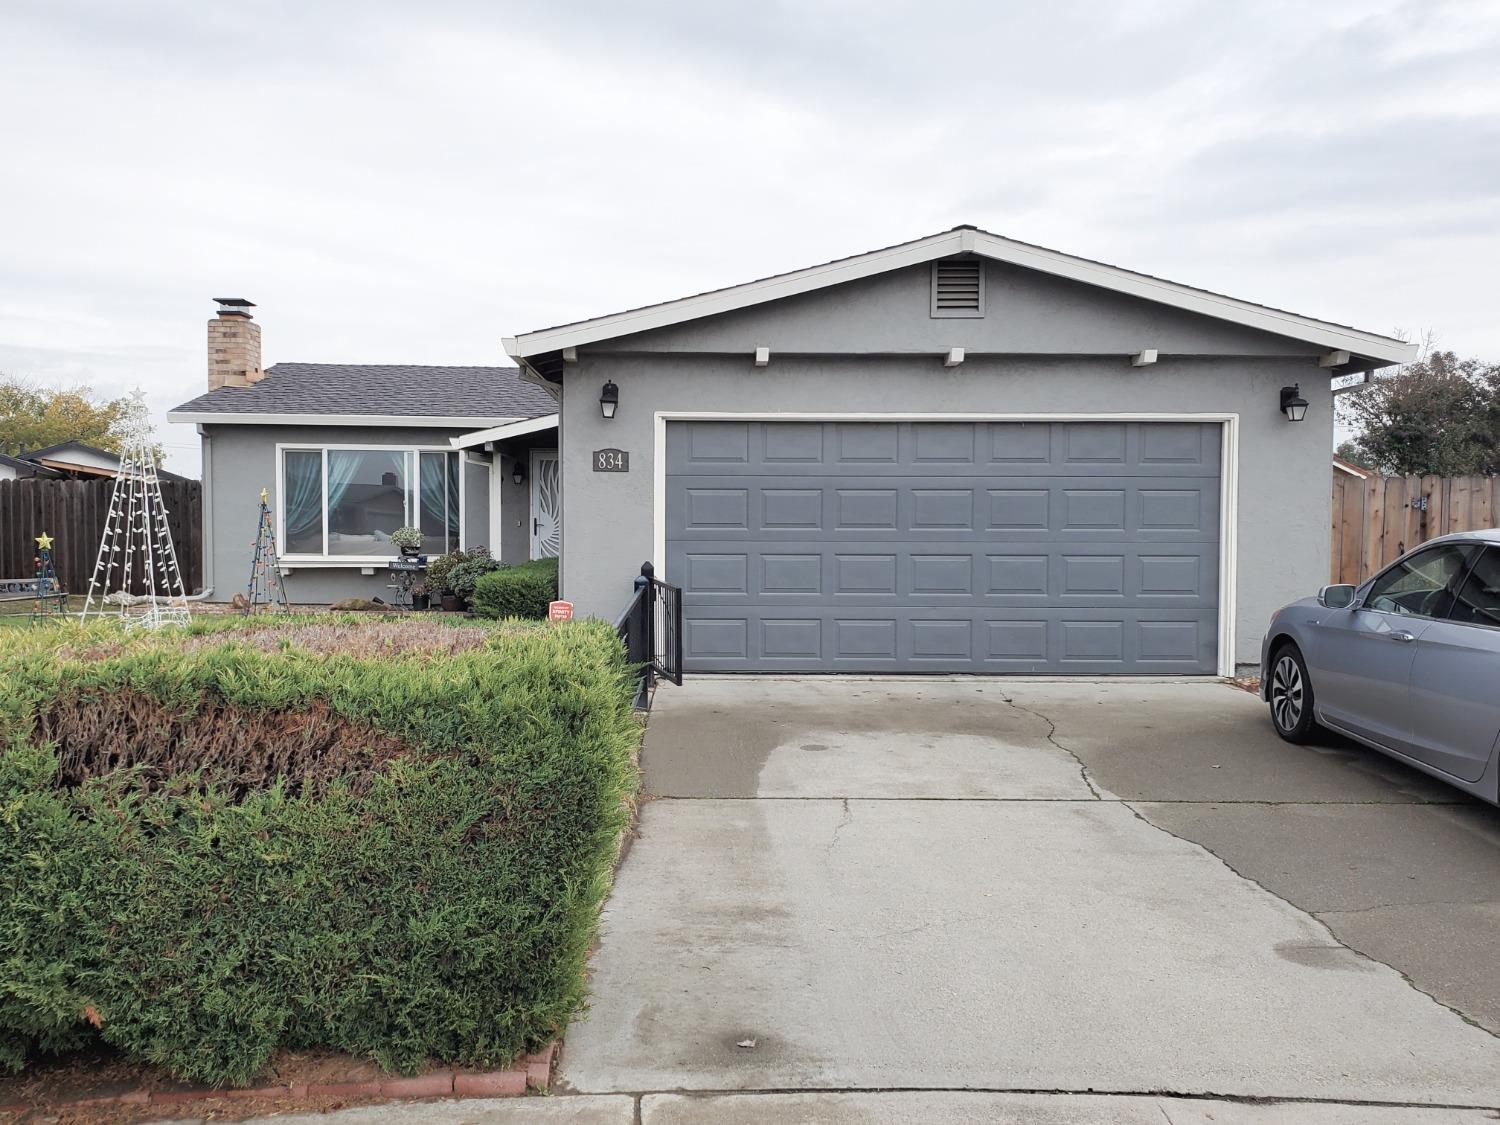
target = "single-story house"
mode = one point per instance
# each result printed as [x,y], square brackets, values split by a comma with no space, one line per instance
[959,454]
[348,453]
[67,460]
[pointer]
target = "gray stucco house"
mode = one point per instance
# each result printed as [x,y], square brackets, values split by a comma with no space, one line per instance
[958,454]
[349,453]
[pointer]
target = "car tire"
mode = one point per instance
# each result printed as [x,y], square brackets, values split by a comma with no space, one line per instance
[1290,693]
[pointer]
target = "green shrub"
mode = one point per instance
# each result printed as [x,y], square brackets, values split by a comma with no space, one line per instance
[367,836]
[517,591]
[441,567]
[466,575]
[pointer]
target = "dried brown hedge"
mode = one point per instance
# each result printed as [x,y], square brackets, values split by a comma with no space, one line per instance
[99,734]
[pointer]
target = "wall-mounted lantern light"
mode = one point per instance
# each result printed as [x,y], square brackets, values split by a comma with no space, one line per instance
[1293,405]
[609,399]
[518,474]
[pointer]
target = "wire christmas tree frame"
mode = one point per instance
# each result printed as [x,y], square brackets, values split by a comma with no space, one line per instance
[136,529]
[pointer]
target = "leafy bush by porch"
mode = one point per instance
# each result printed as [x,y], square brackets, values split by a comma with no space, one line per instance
[386,838]
[517,591]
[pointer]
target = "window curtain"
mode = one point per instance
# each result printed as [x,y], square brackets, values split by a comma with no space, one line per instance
[453,513]
[432,490]
[343,467]
[303,474]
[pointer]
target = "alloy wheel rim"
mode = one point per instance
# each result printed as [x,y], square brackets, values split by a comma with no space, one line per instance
[1286,693]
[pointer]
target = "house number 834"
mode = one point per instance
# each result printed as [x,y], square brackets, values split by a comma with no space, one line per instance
[611,461]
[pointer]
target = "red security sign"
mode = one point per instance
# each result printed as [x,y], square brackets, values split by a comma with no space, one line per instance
[559,611]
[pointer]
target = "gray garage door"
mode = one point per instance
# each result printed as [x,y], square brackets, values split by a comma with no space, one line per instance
[1006,547]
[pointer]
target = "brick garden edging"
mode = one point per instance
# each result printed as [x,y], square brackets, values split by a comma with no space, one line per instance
[528,1072]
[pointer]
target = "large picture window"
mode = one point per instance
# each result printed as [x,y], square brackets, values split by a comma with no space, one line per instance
[345,502]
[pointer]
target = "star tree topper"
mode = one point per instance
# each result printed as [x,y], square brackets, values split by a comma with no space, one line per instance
[44,541]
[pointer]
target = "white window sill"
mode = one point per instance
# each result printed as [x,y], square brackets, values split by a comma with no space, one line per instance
[367,564]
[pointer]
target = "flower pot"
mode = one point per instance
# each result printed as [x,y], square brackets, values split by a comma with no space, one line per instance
[452,603]
[420,601]
[411,552]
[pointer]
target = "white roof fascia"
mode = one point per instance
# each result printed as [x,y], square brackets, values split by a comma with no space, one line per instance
[738,296]
[1185,297]
[415,421]
[500,433]
[1245,313]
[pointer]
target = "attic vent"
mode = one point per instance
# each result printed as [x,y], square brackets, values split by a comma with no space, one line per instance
[958,287]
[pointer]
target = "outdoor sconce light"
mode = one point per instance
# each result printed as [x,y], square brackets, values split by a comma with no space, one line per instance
[609,399]
[1293,405]
[518,474]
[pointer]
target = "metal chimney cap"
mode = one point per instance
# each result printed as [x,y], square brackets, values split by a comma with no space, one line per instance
[235,302]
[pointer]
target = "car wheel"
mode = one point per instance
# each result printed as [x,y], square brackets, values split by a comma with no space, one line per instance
[1291,695]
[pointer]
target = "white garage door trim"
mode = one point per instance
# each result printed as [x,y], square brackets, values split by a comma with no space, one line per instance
[1229,472]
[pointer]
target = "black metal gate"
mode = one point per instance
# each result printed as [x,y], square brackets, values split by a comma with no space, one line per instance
[651,629]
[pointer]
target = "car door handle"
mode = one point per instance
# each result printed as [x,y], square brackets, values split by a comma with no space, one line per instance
[1402,636]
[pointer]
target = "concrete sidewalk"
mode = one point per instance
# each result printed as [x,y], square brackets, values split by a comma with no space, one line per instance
[897,1108]
[919,885]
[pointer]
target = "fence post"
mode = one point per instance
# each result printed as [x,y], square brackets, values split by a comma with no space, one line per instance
[648,614]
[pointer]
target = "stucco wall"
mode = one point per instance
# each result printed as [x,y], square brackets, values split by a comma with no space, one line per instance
[1283,471]
[1026,313]
[238,461]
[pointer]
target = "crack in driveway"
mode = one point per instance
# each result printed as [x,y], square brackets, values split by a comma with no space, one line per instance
[1317,919]
[1083,770]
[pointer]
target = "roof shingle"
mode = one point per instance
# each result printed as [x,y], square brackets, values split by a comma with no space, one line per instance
[410,390]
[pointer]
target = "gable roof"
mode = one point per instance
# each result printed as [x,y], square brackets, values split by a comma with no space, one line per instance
[1342,466]
[82,447]
[374,395]
[1366,349]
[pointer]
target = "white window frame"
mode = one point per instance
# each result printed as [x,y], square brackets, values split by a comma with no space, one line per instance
[414,484]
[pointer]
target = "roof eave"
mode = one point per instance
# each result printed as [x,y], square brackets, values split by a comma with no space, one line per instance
[502,433]
[412,421]
[1367,349]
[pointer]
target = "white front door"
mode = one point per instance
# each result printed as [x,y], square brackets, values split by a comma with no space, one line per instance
[546,504]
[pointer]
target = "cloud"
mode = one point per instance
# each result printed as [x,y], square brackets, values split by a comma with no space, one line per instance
[403,183]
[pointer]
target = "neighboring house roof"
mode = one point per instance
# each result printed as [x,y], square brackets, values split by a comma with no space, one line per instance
[375,395]
[1342,466]
[1350,349]
[76,457]
[24,468]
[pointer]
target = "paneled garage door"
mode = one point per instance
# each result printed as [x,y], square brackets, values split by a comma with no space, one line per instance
[1005,547]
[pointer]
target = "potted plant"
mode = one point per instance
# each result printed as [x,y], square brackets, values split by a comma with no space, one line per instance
[408,539]
[420,599]
[438,570]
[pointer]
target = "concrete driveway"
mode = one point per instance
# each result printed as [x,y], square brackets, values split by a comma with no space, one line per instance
[1116,888]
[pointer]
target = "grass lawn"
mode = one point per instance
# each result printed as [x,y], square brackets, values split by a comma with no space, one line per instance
[18,612]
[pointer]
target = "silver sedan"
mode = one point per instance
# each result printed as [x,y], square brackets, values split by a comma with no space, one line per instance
[1408,662]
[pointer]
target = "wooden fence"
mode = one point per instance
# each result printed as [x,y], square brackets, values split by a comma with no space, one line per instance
[73,512]
[1376,519]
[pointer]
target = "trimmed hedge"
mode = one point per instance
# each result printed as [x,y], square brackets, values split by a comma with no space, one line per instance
[431,895]
[517,591]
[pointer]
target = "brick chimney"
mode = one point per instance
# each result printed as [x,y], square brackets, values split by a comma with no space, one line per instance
[233,345]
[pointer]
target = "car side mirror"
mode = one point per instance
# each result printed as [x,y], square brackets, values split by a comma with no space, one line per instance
[1340,596]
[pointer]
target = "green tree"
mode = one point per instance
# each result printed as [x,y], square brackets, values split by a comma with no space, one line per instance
[1439,415]
[1351,452]
[34,416]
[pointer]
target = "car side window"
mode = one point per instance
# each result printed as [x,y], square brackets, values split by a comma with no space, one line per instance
[1478,600]
[1422,585]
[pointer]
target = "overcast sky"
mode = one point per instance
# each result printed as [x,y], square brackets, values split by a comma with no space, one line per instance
[409,182]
